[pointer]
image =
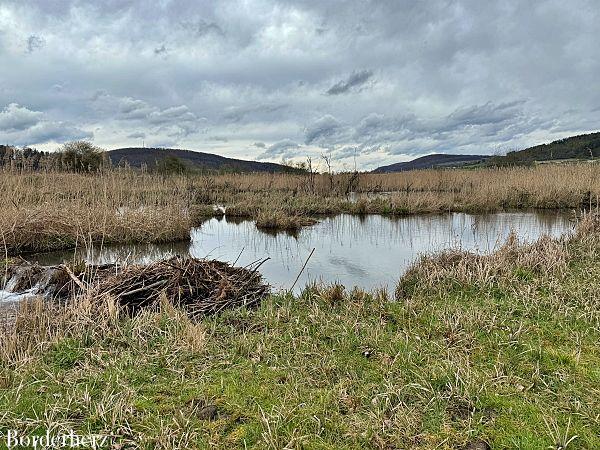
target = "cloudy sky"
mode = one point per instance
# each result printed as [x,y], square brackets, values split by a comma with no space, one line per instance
[374,82]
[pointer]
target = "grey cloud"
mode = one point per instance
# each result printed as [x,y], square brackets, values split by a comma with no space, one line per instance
[259,145]
[162,143]
[253,112]
[160,50]
[485,114]
[52,131]
[354,80]
[22,126]
[35,43]
[179,113]
[282,149]
[137,135]
[322,129]
[377,127]
[461,130]
[218,138]
[346,152]
[16,118]
[202,28]
[460,76]
[130,108]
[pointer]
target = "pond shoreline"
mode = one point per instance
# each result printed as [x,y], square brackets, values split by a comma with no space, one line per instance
[506,341]
[346,244]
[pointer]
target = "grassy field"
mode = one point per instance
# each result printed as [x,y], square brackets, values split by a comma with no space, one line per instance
[501,349]
[49,211]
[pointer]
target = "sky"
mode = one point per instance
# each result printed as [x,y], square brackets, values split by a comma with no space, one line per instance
[364,82]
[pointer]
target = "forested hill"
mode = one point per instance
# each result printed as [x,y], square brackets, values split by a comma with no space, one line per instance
[137,156]
[431,162]
[584,146]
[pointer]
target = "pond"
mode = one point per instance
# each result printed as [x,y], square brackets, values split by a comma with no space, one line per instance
[367,251]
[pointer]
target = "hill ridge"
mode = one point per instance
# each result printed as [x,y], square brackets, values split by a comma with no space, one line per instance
[137,156]
[435,160]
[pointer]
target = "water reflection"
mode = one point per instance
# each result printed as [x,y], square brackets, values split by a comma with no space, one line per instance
[368,251]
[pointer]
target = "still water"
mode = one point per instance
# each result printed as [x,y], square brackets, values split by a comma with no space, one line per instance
[367,251]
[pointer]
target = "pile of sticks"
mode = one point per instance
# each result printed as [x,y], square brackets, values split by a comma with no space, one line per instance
[201,287]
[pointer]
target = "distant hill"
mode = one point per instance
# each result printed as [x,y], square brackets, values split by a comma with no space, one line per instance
[136,156]
[585,146]
[432,161]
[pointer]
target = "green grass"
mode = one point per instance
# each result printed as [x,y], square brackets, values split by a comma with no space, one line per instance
[512,360]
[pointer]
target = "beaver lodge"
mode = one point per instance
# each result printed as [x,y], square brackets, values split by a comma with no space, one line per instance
[200,287]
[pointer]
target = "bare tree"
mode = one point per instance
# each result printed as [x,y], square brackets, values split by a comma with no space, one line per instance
[327,159]
[311,174]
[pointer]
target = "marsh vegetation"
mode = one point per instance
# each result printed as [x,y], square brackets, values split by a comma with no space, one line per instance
[495,349]
[53,210]
[498,349]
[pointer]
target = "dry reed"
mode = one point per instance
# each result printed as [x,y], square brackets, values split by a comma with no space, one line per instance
[546,256]
[47,211]
[279,220]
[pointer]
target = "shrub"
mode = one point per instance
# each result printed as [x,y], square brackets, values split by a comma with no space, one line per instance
[81,156]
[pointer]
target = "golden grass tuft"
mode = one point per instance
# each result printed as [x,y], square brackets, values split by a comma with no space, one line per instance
[513,260]
[38,324]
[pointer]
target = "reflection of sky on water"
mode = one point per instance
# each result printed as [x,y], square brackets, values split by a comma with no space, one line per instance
[368,251]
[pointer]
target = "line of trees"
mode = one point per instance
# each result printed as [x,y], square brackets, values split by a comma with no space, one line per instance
[77,156]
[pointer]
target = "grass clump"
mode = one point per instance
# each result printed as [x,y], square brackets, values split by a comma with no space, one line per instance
[279,220]
[500,350]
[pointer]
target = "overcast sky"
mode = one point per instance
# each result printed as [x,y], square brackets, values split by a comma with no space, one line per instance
[376,81]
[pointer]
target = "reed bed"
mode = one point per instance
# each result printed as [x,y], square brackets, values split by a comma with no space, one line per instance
[51,211]
[48,211]
[548,185]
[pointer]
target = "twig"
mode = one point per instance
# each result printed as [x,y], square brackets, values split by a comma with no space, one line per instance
[143,288]
[302,270]
[236,259]
[74,278]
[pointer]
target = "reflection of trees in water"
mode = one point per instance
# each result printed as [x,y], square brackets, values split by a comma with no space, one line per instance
[433,231]
[493,229]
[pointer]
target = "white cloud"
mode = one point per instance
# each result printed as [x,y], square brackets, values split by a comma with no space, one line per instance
[16,118]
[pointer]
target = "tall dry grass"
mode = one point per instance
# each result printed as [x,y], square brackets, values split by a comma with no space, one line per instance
[46,211]
[543,186]
[514,260]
